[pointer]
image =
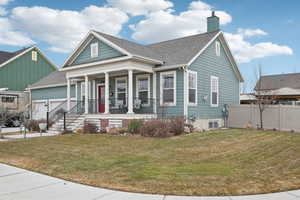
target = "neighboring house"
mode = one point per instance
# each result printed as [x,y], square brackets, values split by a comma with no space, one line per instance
[114,80]
[249,98]
[18,70]
[282,88]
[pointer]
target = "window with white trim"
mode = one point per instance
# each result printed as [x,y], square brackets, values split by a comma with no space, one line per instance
[143,88]
[214,91]
[218,48]
[94,50]
[121,90]
[192,87]
[34,56]
[168,88]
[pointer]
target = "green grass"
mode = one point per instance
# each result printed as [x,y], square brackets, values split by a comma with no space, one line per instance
[227,162]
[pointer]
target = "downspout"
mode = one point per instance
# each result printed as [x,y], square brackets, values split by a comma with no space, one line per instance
[185,93]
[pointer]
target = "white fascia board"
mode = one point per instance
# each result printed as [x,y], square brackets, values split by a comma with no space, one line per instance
[203,49]
[231,57]
[146,59]
[111,44]
[164,68]
[15,57]
[76,49]
[49,86]
[95,63]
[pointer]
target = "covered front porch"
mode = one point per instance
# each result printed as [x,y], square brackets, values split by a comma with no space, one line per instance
[126,91]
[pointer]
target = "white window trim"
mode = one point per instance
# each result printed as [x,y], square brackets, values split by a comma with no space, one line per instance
[94,54]
[188,89]
[218,48]
[34,55]
[211,80]
[161,88]
[142,76]
[126,88]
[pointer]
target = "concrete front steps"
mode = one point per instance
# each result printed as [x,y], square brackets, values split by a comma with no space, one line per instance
[73,122]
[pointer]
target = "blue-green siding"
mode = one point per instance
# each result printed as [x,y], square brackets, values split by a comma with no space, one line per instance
[51,93]
[207,65]
[172,110]
[104,52]
[23,71]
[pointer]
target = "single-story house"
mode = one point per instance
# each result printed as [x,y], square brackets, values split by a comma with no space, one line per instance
[18,70]
[282,88]
[113,80]
[248,98]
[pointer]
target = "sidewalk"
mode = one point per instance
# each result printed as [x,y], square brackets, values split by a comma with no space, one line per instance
[20,184]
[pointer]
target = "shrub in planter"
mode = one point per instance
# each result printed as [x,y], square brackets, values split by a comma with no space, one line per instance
[134,126]
[176,125]
[64,132]
[156,128]
[89,128]
[32,125]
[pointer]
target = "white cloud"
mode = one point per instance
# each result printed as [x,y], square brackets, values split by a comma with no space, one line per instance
[9,36]
[164,24]
[244,51]
[4,2]
[251,32]
[63,29]
[2,9]
[140,7]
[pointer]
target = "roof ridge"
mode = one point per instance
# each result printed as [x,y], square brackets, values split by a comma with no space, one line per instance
[206,33]
[286,74]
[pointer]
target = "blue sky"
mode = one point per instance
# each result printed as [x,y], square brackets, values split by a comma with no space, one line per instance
[269,29]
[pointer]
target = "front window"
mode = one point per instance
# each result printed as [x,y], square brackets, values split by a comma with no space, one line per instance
[214,91]
[8,99]
[192,87]
[143,88]
[121,90]
[168,90]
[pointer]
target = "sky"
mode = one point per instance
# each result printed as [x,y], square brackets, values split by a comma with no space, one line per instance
[264,33]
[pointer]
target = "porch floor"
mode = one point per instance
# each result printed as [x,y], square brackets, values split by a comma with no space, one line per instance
[120,116]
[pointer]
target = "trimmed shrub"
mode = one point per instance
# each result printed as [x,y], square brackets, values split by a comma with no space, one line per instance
[134,126]
[176,125]
[32,125]
[155,128]
[89,128]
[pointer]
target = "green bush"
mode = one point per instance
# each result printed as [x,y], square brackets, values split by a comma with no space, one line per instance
[134,126]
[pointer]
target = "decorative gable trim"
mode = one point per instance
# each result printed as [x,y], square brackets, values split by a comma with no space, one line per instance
[227,51]
[28,50]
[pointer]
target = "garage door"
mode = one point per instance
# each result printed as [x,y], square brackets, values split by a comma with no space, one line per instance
[39,110]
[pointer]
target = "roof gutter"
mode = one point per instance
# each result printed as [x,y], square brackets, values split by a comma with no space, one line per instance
[169,67]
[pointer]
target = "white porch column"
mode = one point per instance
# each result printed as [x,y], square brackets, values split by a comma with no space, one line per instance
[106,100]
[154,94]
[86,104]
[68,94]
[130,92]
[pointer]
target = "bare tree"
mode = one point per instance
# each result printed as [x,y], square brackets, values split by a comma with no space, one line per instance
[264,98]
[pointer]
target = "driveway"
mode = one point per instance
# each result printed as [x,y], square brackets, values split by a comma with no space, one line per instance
[20,184]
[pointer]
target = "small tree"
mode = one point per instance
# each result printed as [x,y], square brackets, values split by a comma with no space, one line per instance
[264,98]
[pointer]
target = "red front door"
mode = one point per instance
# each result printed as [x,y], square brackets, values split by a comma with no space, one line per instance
[101,100]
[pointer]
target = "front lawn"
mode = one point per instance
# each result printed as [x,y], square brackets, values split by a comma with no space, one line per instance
[227,162]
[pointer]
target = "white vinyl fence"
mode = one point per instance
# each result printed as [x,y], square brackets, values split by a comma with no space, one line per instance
[279,117]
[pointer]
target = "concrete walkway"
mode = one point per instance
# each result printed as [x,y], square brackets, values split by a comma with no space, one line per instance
[20,184]
[29,135]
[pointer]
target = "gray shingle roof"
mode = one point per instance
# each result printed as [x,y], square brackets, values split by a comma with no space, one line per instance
[172,52]
[5,56]
[278,81]
[182,50]
[56,77]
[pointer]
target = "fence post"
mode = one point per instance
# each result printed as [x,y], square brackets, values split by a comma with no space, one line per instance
[47,117]
[64,121]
